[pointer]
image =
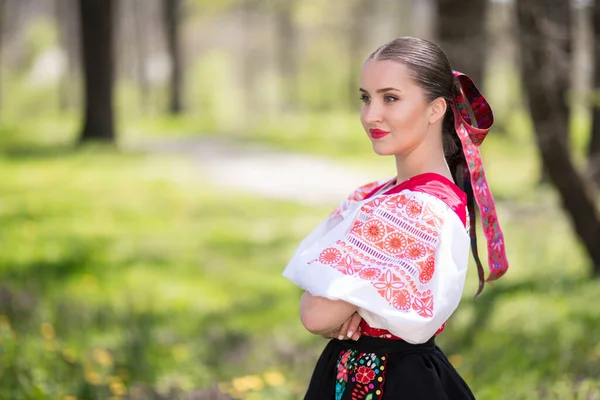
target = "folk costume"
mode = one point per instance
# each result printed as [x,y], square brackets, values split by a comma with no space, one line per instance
[399,252]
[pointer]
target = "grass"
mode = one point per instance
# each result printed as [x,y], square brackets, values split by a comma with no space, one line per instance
[128,274]
[132,269]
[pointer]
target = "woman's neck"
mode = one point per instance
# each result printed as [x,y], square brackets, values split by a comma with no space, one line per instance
[425,158]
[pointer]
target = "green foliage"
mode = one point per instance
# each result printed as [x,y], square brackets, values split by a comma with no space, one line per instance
[129,270]
[130,274]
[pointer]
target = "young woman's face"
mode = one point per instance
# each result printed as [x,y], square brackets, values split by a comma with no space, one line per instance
[395,112]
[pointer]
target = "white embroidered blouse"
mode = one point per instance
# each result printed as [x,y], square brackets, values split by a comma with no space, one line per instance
[399,254]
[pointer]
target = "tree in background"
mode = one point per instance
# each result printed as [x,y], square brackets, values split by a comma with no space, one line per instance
[141,31]
[96,21]
[594,146]
[545,58]
[2,12]
[462,35]
[357,29]
[287,51]
[66,20]
[172,15]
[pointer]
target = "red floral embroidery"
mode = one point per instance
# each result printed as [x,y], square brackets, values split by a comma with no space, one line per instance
[424,306]
[342,372]
[350,266]
[373,231]
[402,300]
[393,247]
[413,209]
[395,202]
[416,251]
[490,230]
[395,243]
[431,217]
[364,375]
[427,269]
[330,256]
[388,284]
[471,138]
[369,274]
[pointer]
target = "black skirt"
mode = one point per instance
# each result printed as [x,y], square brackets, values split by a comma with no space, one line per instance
[385,369]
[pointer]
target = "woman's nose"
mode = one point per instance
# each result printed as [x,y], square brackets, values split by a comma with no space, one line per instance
[373,114]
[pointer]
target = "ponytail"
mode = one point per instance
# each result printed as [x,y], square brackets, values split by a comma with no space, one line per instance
[455,158]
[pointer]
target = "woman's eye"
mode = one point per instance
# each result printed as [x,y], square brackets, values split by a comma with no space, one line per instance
[364,98]
[390,99]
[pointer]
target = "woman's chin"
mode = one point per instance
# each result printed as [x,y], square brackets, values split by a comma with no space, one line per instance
[382,150]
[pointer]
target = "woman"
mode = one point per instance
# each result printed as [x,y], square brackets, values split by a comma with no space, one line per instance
[387,268]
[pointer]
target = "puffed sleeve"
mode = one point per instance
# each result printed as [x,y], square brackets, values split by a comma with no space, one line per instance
[402,259]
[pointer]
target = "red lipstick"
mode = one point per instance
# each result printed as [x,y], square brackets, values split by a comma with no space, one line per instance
[378,133]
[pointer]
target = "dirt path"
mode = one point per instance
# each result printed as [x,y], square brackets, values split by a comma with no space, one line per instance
[267,172]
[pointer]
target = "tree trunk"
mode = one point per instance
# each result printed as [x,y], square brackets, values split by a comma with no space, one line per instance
[462,35]
[594,146]
[172,14]
[250,60]
[545,64]
[139,8]
[286,51]
[2,16]
[96,20]
[66,18]
[356,43]
[423,18]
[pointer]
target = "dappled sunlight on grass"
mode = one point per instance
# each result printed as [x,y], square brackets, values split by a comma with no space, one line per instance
[127,273]
[137,254]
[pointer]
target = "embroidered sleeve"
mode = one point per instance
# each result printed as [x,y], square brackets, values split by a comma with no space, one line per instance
[402,260]
[357,195]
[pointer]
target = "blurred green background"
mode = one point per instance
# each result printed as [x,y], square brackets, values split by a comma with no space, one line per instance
[148,265]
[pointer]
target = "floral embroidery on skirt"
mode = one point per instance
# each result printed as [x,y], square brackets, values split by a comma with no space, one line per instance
[360,376]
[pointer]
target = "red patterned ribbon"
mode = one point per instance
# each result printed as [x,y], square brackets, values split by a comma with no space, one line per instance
[467,95]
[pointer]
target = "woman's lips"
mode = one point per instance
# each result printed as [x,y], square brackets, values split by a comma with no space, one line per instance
[378,133]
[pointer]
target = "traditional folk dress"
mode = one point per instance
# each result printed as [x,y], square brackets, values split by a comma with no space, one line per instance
[399,252]
[401,256]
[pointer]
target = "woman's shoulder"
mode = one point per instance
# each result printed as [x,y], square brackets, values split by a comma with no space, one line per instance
[366,190]
[433,187]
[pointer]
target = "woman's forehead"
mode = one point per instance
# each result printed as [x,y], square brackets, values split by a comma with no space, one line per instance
[378,74]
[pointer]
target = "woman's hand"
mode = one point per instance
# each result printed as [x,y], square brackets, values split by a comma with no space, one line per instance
[320,315]
[349,329]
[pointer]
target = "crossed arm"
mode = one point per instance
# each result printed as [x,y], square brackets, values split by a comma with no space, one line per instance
[329,318]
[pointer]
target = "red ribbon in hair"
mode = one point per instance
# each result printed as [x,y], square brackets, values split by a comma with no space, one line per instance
[471,134]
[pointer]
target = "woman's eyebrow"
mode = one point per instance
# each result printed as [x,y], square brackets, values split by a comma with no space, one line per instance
[388,89]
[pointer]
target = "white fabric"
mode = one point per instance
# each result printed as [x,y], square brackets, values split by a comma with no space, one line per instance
[401,258]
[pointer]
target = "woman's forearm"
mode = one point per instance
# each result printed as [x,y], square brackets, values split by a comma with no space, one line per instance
[320,314]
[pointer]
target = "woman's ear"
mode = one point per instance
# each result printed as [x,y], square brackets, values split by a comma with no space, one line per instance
[437,110]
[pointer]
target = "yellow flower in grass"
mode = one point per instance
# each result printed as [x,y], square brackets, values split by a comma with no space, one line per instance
[93,378]
[274,378]
[456,360]
[103,357]
[247,383]
[69,355]
[47,331]
[50,345]
[117,388]
[4,323]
